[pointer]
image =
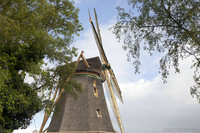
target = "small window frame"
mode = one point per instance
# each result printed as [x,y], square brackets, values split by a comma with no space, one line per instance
[95,90]
[99,114]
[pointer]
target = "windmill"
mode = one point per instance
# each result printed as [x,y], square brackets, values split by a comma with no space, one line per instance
[89,112]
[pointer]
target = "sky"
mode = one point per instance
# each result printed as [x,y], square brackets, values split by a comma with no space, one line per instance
[149,105]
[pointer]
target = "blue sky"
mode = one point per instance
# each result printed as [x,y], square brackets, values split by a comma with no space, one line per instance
[149,105]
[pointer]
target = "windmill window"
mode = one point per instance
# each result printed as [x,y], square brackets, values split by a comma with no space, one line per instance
[94,83]
[99,113]
[95,89]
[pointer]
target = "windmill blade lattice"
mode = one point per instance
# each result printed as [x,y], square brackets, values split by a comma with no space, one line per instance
[115,89]
[113,102]
[108,94]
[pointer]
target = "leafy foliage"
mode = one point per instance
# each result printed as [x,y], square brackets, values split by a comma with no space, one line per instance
[34,33]
[168,26]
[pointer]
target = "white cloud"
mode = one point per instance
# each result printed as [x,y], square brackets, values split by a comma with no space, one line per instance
[150,106]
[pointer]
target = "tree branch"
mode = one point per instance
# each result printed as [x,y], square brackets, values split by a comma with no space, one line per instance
[154,26]
[40,87]
[191,35]
[25,16]
[190,53]
[6,4]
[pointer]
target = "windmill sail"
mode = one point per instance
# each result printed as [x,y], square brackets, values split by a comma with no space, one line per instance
[98,42]
[115,90]
[103,56]
[115,85]
[111,103]
[118,91]
[109,78]
[97,25]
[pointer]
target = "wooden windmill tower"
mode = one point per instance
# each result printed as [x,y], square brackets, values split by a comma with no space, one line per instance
[89,113]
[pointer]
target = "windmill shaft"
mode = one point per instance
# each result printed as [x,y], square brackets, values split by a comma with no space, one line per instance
[114,102]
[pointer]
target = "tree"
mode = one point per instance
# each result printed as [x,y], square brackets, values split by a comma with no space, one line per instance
[34,34]
[171,27]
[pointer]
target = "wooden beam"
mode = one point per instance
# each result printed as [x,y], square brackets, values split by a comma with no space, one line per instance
[85,61]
